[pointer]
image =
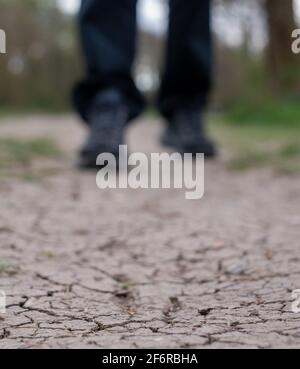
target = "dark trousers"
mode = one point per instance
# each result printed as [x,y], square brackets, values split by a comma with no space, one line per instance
[108,35]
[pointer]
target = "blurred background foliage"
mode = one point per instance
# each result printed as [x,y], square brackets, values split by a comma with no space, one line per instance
[257,78]
[41,61]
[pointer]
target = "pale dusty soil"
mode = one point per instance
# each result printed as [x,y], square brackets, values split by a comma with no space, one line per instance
[146,269]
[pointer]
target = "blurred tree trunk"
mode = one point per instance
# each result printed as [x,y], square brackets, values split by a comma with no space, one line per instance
[282,64]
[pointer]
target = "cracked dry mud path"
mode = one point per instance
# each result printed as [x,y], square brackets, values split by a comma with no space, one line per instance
[147,269]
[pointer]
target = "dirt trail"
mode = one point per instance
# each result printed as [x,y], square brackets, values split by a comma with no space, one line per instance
[147,269]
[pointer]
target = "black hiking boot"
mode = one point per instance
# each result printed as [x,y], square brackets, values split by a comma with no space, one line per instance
[108,118]
[186,134]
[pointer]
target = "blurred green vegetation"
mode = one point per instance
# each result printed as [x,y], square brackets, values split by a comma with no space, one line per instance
[249,146]
[7,268]
[268,113]
[16,152]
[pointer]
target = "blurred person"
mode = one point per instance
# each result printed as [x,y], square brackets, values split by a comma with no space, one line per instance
[107,99]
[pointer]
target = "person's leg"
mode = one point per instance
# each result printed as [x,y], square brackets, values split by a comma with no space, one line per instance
[108,35]
[107,99]
[187,77]
[188,70]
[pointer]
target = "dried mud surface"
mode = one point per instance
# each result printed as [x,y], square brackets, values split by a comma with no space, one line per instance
[86,268]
